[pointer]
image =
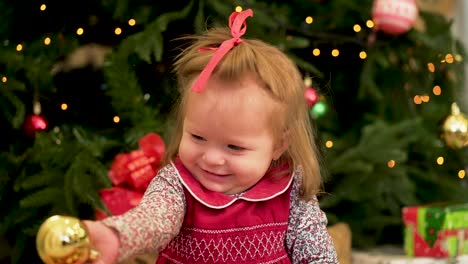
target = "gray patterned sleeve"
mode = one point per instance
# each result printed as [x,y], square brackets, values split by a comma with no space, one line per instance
[156,220]
[307,239]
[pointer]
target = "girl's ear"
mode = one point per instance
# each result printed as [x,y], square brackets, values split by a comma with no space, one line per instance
[281,146]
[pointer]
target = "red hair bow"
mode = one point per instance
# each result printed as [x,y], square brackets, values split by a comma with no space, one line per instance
[238,27]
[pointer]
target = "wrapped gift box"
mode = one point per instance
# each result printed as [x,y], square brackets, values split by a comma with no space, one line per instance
[439,231]
[373,257]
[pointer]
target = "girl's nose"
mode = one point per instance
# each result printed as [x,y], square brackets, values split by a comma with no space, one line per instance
[214,157]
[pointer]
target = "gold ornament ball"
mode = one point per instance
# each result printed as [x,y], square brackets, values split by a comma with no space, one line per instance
[455,128]
[64,240]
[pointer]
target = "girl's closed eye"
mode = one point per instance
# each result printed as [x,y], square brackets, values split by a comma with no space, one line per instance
[235,147]
[197,137]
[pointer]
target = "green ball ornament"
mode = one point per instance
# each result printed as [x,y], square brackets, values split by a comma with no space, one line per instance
[318,110]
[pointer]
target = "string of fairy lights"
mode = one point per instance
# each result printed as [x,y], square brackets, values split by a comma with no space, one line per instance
[448,58]
[79,32]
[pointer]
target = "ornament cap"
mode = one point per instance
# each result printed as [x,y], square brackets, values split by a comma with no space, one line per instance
[37,108]
[455,109]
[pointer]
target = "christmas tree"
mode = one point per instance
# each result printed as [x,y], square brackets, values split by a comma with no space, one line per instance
[84,81]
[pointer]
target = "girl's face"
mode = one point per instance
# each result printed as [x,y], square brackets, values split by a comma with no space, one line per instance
[227,142]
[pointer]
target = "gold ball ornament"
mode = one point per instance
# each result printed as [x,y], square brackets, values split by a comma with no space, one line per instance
[455,128]
[64,240]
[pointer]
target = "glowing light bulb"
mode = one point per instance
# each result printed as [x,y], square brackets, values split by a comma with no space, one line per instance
[362,55]
[431,67]
[461,174]
[316,52]
[335,52]
[357,28]
[436,90]
[417,99]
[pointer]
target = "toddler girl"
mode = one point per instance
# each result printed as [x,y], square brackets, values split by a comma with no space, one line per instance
[241,172]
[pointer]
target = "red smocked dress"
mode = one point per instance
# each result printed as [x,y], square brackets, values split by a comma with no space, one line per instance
[219,228]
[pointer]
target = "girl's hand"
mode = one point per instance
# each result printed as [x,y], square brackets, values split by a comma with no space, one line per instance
[104,240]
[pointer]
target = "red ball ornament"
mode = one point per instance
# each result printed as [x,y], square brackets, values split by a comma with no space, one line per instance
[394,16]
[311,96]
[33,124]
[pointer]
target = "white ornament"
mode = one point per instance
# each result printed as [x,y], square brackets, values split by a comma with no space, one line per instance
[394,16]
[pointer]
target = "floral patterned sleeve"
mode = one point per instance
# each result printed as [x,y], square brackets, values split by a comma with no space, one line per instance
[307,238]
[151,225]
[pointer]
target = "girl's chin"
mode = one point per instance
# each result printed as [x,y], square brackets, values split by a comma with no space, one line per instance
[214,187]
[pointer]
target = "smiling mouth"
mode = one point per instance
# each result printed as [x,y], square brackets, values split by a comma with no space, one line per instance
[215,174]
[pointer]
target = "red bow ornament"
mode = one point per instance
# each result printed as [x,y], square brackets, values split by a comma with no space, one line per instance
[131,173]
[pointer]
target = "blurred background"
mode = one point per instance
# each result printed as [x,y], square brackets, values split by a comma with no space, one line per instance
[84,81]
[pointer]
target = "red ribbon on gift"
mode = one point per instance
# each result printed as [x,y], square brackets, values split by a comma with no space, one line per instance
[131,173]
[118,200]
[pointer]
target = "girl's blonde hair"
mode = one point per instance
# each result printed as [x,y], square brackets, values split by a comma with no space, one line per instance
[280,77]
